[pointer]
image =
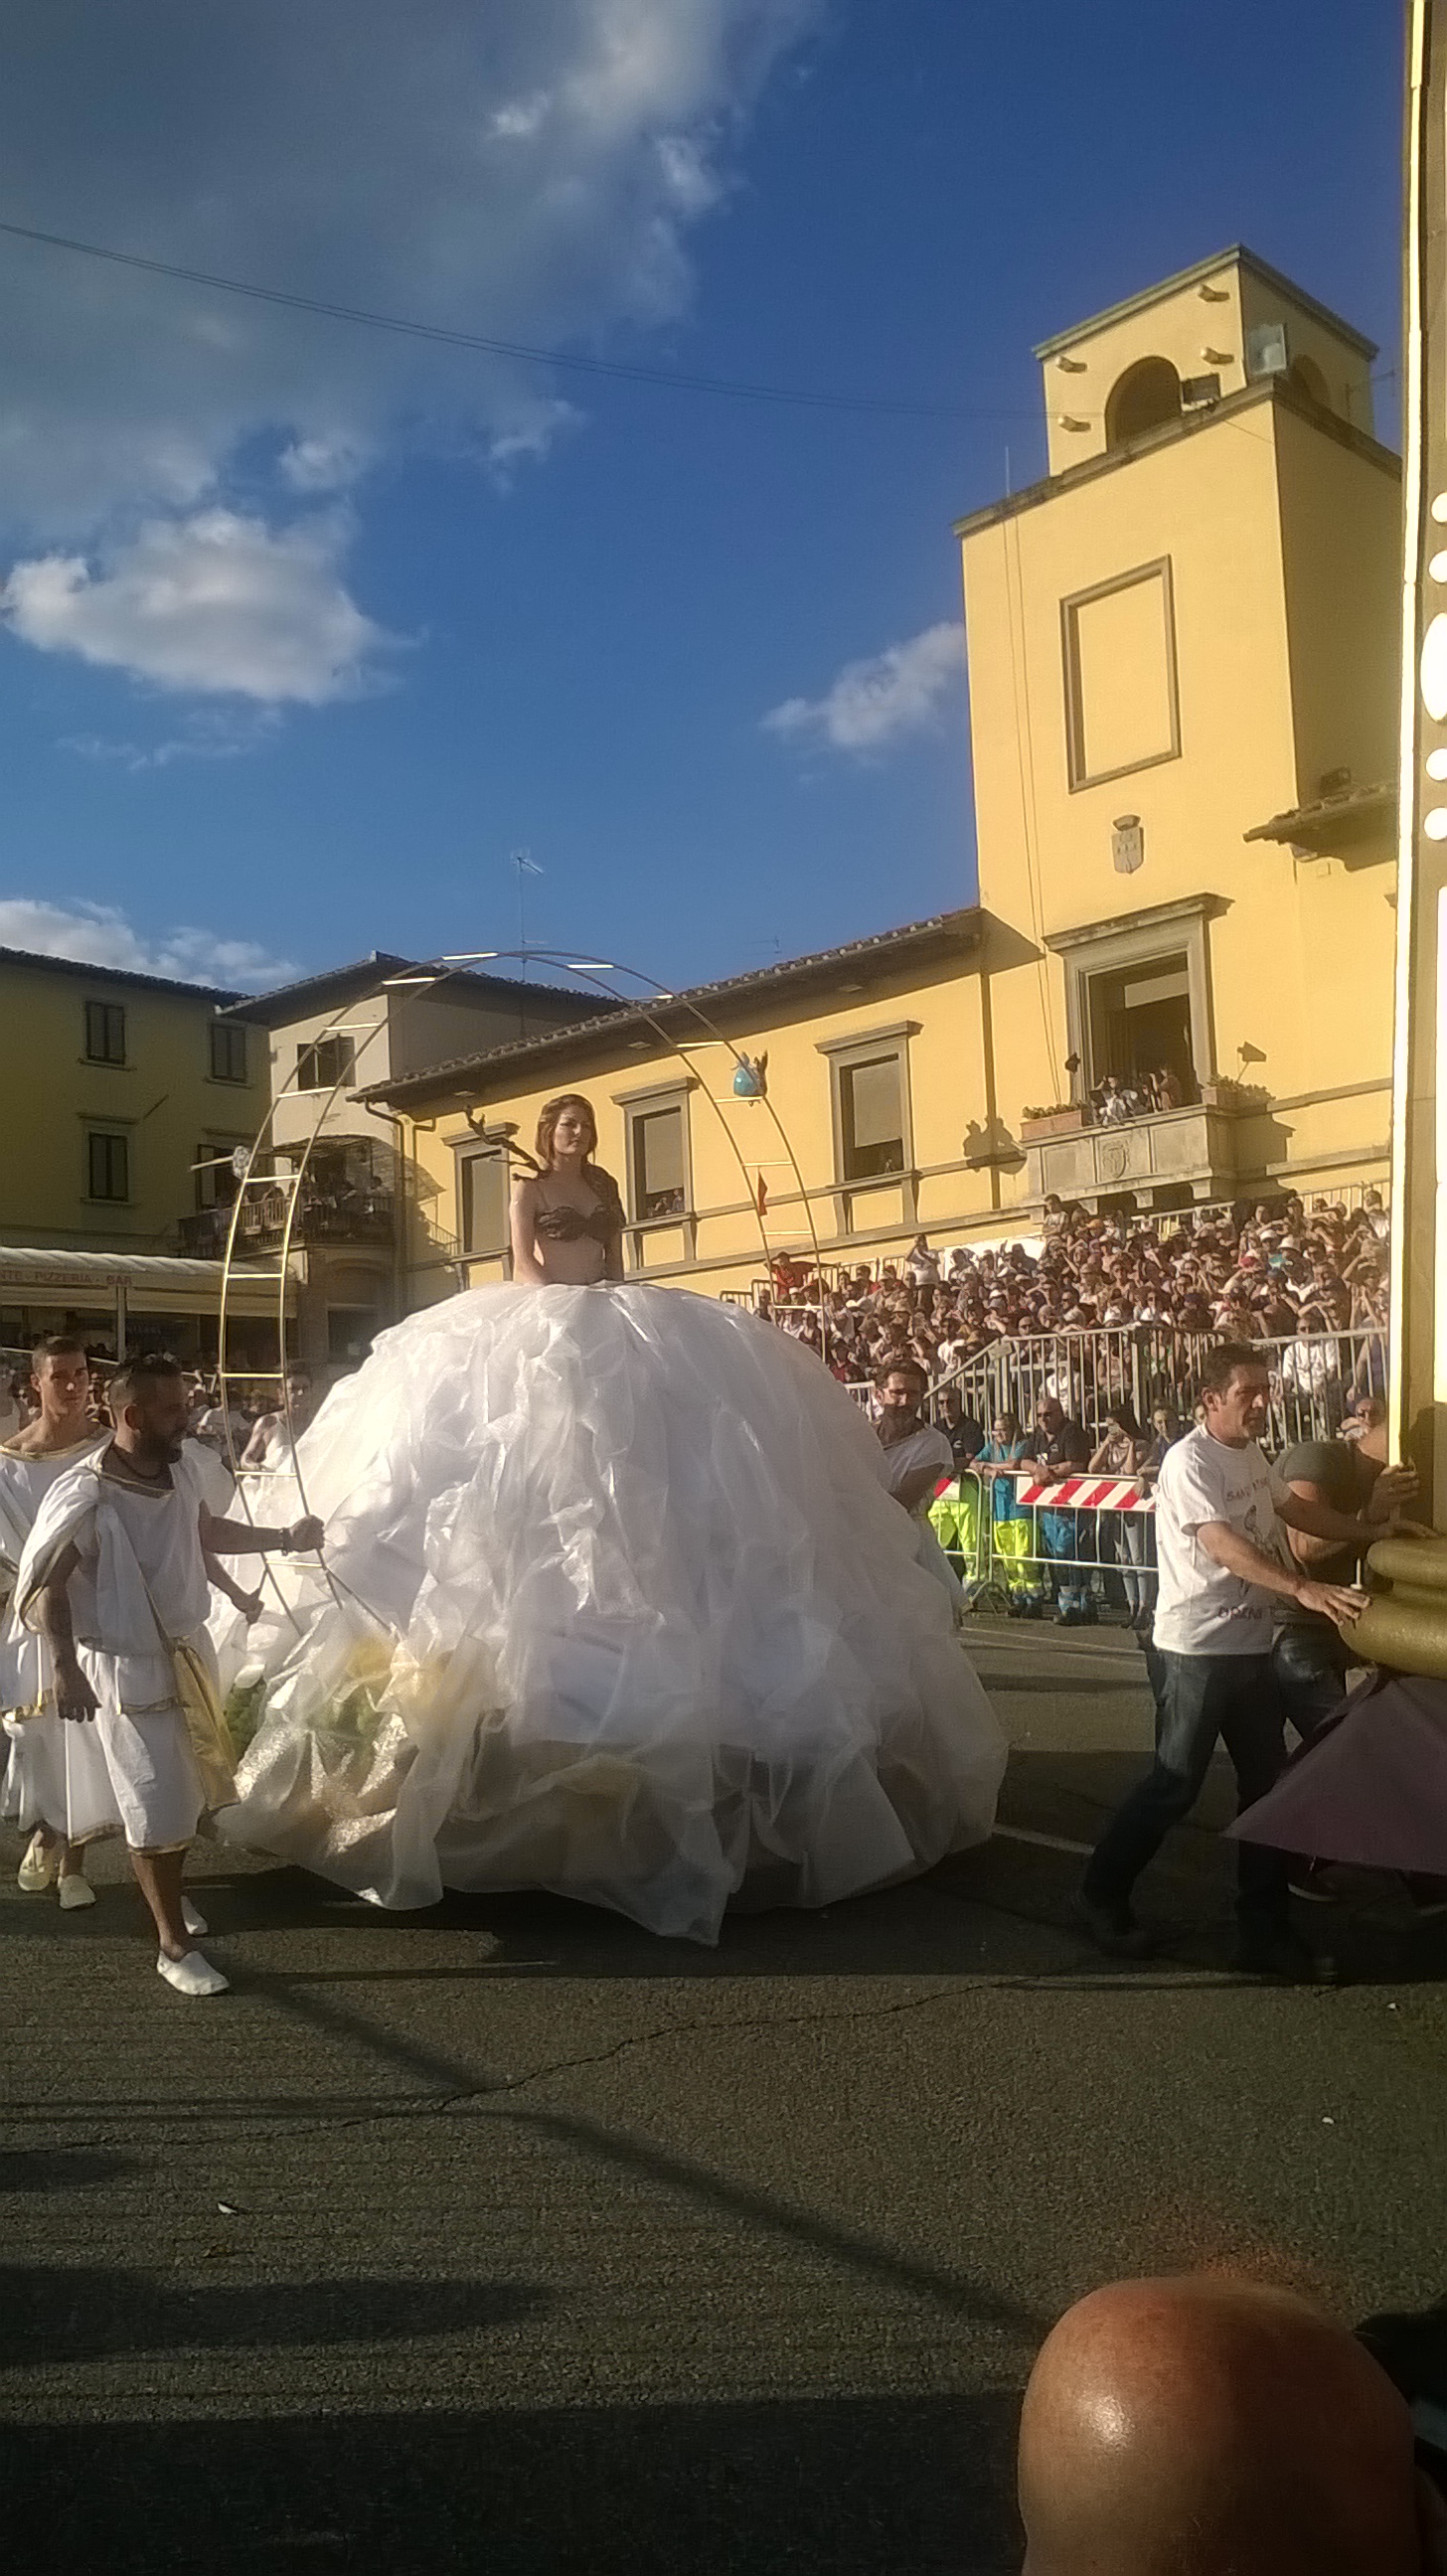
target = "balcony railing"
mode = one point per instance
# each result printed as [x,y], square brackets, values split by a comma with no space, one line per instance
[322,1217]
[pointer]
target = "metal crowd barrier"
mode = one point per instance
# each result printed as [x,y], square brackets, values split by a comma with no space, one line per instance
[1016,1543]
[1314,1376]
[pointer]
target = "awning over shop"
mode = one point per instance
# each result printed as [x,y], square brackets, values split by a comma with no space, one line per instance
[119,1284]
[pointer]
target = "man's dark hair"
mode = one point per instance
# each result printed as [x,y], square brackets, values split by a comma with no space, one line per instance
[58,1346]
[901,1367]
[133,1380]
[1220,1366]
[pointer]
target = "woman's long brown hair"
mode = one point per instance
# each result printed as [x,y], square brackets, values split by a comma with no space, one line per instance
[599,1180]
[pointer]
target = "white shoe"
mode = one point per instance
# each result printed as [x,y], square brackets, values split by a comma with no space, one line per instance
[191,1916]
[38,1869]
[75,1889]
[192,1975]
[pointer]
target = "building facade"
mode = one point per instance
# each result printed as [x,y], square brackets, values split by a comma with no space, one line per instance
[1183,658]
[122,1091]
[339,1193]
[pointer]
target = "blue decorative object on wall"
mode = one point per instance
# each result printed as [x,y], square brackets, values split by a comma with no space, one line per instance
[751,1078]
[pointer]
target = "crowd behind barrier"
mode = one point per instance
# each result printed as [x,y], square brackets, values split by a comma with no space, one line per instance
[1109,1319]
[1311,1281]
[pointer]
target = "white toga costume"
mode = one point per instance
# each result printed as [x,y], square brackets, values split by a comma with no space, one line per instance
[44,1760]
[141,1581]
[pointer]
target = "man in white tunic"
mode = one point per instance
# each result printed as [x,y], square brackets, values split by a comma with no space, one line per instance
[1219,1512]
[114,1577]
[52,1776]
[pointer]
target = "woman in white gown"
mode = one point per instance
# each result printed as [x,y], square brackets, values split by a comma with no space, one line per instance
[614,1602]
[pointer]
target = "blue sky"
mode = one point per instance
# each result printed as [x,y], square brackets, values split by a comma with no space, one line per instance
[308,627]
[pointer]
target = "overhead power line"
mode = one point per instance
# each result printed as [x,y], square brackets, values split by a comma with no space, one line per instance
[519,350]
[675,380]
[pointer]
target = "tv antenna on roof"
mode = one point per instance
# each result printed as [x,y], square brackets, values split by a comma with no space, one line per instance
[524,866]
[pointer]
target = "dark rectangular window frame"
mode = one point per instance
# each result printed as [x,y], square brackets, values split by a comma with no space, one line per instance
[468,1160]
[309,1053]
[639,1121]
[645,1102]
[649,1102]
[216,1182]
[105,1032]
[108,1159]
[842,1054]
[228,1049]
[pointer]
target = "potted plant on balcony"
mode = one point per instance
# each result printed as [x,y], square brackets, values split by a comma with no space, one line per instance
[1066,1118]
[1221,1092]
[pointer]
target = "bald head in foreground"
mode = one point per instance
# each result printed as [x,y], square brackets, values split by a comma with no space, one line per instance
[1208,2427]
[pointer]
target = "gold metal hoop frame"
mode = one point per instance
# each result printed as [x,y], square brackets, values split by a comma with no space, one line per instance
[639,994]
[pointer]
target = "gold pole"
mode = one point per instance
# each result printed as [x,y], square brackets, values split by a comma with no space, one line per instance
[1418,1368]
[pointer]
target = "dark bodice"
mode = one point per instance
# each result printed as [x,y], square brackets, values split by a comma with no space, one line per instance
[569,1224]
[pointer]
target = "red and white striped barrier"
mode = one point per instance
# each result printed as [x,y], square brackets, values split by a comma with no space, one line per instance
[1087,1494]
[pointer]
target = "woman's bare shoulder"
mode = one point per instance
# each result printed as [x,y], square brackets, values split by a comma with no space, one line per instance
[524,1191]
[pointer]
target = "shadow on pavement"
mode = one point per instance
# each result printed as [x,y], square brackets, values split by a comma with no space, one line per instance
[36,2169]
[78,2314]
[827,2487]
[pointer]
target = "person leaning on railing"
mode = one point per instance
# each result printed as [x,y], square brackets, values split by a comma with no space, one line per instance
[1122,1453]
[998,1463]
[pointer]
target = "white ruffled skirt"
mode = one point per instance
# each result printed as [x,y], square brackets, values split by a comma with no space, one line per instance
[613,1603]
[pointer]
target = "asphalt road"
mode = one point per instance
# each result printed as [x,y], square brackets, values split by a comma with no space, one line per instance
[506,2238]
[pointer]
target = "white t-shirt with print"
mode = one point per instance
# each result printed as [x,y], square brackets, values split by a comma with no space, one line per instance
[1201,1609]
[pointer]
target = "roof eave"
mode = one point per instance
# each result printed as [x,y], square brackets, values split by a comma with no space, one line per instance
[1237,255]
[916,941]
[1323,823]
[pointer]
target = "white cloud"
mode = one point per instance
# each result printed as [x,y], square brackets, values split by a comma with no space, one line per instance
[877,702]
[101,936]
[530,436]
[206,733]
[528,171]
[323,464]
[214,602]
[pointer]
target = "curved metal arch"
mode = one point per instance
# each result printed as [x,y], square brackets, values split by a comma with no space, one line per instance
[422,978]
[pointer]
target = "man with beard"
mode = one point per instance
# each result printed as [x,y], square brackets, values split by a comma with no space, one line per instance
[114,1577]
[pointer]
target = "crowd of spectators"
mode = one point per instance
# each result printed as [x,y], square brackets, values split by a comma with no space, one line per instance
[247,1409]
[1274,1270]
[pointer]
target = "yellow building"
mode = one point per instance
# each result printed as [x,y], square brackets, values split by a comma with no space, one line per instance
[124,1095]
[361,1218]
[1183,676]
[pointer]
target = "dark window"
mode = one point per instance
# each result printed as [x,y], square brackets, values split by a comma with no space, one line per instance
[658,1173]
[1140,1022]
[105,1033]
[217,1181]
[871,1117]
[323,1065]
[108,1166]
[228,1051]
[483,1190]
[1144,398]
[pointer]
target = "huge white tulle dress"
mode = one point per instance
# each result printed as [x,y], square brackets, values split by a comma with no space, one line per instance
[613,1603]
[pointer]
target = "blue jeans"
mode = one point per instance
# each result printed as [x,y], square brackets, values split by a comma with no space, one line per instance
[1060,1543]
[1200,1698]
[1310,1665]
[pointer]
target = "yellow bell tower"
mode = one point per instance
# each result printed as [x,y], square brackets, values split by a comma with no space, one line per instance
[1183,645]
